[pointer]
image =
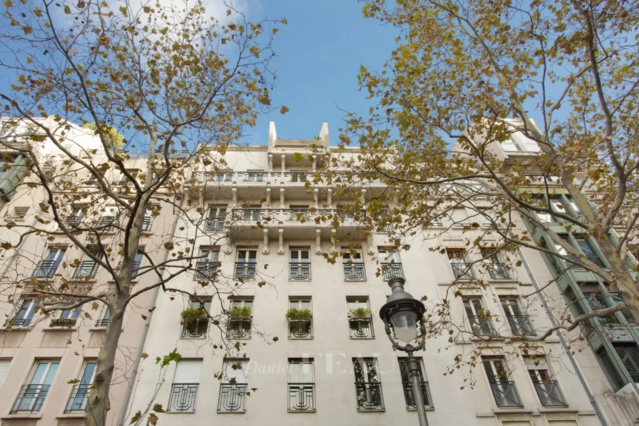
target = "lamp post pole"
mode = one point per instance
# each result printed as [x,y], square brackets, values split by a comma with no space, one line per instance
[413,366]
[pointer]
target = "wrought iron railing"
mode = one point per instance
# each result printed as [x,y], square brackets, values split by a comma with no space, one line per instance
[301,397]
[46,268]
[549,393]
[63,322]
[300,328]
[257,177]
[195,328]
[79,399]
[205,270]
[244,270]
[520,325]
[505,394]
[74,219]
[461,271]
[299,176]
[232,397]
[239,328]
[300,271]
[360,328]
[482,326]
[497,271]
[215,225]
[369,396]
[147,224]
[298,215]
[18,322]
[392,270]
[183,397]
[354,271]
[87,269]
[102,323]
[30,398]
[409,396]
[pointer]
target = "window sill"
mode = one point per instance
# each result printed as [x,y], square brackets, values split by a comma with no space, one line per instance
[61,328]
[363,338]
[379,410]
[96,329]
[428,408]
[17,416]
[562,410]
[301,412]
[231,412]
[71,416]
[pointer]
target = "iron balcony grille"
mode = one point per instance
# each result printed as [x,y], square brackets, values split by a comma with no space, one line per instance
[47,268]
[63,322]
[183,397]
[74,220]
[147,224]
[369,396]
[482,326]
[300,271]
[195,328]
[18,322]
[505,394]
[215,225]
[102,323]
[549,393]
[392,270]
[462,271]
[520,325]
[30,398]
[301,397]
[239,328]
[205,270]
[79,399]
[360,328]
[300,328]
[354,271]
[300,215]
[497,271]
[244,270]
[232,398]
[87,269]
[410,397]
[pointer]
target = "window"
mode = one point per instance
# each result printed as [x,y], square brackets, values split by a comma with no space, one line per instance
[125,180]
[368,387]
[233,387]
[105,316]
[185,384]
[47,267]
[301,385]
[195,320]
[300,265]
[610,368]
[5,364]
[404,370]
[478,317]
[629,356]
[108,220]
[459,217]
[224,176]
[299,213]
[89,267]
[598,298]
[240,319]
[547,388]
[353,264]
[245,265]
[76,216]
[25,314]
[503,389]
[300,319]
[390,263]
[496,269]
[519,323]
[207,263]
[215,221]
[251,214]
[589,250]
[147,222]
[137,262]
[32,395]
[67,318]
[359,318]
[79,399]
[457,259]
[17,213]
[255,176]
[299,176]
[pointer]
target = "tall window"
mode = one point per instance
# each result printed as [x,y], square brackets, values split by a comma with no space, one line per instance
[89,267]
[245,265]
[32,395]
[185,385]
[137,262]
[240,318]
[353,264]
[546,387]
[47,267]
[368,388]
[78,401]
[195,320]
[629,356]
[502,387]
[404,370]
[215,221]
[301,385]
[207,263]
[108,220]
[519,323]
[359,318]
[461,268]
[67,318]
[390,263]
[300,318]
[104,318]
[76,216]
[300,265]
[478,317]
[147,222]
[496,268]
[233,386]
[255,176]
[25,314]
[589,250]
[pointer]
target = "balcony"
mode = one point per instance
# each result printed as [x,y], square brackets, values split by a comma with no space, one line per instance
[102,323]
[46,269]
[369,396]
[410,397]
[497,271]
[300,328]
[18,323]
[300,271]
[505,394]
[183,397]
[520,325]
[360,328]
[63,322]
[392,270]
[206,270]
[244,271]
[301,397]
[87,269]
[549,393]
[354,271]
[239,328]
[30,399]
[195,328]
[79,399]
[232,397]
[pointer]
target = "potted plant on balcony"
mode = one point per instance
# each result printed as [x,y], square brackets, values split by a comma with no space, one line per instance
[191,316]
[360,313]
[240,312]
[299,321]
[299,314]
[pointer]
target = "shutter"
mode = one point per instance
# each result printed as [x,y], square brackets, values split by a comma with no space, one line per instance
[188,371]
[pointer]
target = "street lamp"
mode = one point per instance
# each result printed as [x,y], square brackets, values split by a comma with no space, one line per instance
[404,313]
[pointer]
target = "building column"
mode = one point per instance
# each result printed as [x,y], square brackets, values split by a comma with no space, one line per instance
[329,197]
[316,197]
[314,163]
[268,196]
[318,241]
[282,189]
[280,250]
[266,249]
[283,164]
[234,191]
[333,240]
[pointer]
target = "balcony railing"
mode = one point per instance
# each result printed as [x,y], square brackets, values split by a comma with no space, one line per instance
[79,399]
[354,271]
[205,270]
[360,328]
[239,328]
[102,323]
[183,397]
[46,268]
[301,397]
[497,271]
[275,177]
[74,220]
[87,269]
[410,397]
[232,397]
[300,328]
[300,271]
[147,224]
[244,270]
[520,325]
[18,322]
[30,398]
[482,326]
[392,270]
[63,322]
[195,328]
[549,393]
[310,215]
[461,271]
[215,225]
[369,396]
[505,394]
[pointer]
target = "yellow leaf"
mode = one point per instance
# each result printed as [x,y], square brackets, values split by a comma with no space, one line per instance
[37,12]
[67,10]
[284,21]
[68,71]
[27,29]
[284,109]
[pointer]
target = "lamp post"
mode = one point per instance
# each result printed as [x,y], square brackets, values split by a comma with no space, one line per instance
[404,313]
